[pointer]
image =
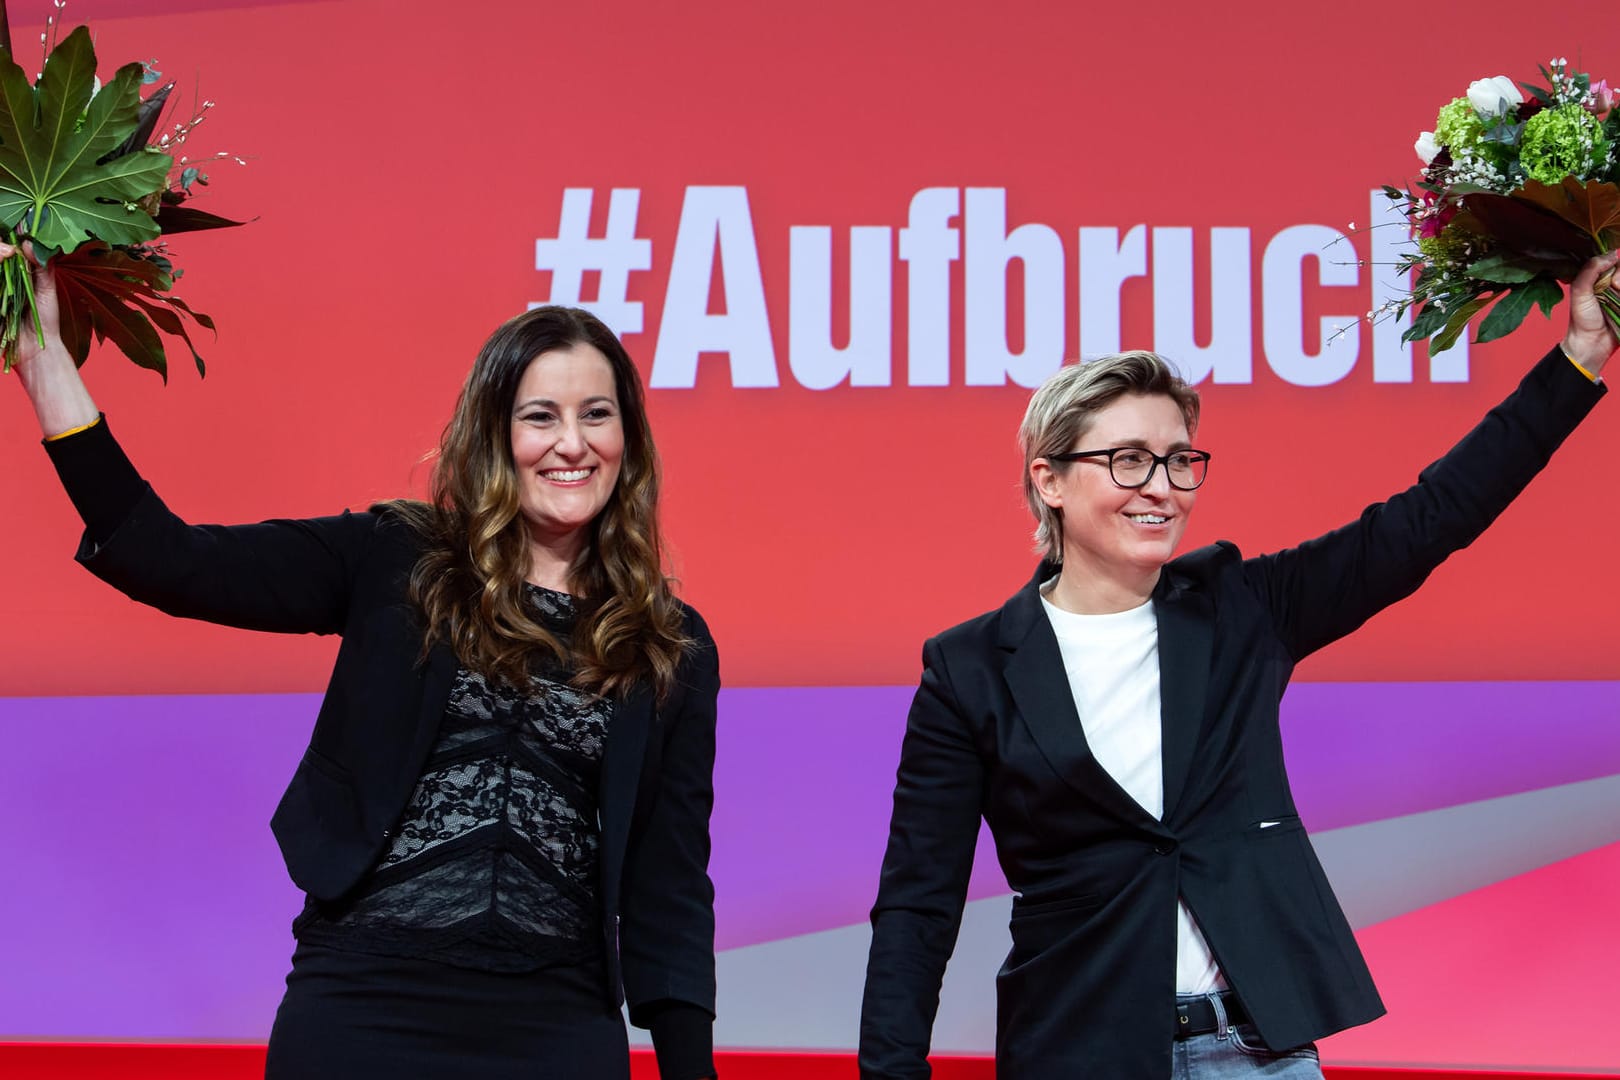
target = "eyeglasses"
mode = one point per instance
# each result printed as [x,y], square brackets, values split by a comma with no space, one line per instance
[1133,466]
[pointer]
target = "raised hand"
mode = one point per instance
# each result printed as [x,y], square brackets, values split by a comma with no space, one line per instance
[48,374]
[1591,338]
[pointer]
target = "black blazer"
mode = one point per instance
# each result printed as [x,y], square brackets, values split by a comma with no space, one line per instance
[380,716]
[1088,987]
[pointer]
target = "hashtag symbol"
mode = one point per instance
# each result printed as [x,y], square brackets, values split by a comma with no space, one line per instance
[573,251]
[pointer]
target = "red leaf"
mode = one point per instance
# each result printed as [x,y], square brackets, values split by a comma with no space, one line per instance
[118,296]
[1516,225]
[178,219]
[1592,206]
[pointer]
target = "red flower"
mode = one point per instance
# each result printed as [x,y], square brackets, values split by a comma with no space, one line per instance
[1436,215]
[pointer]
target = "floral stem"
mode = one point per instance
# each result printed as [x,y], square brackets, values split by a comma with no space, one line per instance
[1610,304]
[10,315]
[16,301]
[27,276]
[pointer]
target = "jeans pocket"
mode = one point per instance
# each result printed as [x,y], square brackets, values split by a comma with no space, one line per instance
[1246,1040]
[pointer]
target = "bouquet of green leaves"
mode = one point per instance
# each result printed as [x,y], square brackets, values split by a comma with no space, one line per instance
[90,184]
[1519,190]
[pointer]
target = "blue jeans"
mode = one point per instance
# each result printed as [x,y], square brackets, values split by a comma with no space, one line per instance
[1236,1051]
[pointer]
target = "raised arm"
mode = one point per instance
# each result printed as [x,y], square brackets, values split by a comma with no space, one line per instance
[1327,587]
[283,576]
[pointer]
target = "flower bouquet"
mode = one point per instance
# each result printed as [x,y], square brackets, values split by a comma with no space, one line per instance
[1519,190]
[88,182]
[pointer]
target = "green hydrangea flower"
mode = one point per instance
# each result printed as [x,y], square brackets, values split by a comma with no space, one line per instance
[1562,141]
[1458,126]
[1452,249]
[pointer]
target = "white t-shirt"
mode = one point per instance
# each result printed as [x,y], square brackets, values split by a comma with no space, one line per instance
[1112,662]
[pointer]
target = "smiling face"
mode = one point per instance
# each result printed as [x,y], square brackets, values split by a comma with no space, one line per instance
[1116,539]
[567,444]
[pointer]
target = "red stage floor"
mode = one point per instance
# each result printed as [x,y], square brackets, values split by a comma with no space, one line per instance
[118,1061]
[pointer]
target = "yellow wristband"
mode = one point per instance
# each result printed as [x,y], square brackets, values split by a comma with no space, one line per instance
[97,420]
[1589,376]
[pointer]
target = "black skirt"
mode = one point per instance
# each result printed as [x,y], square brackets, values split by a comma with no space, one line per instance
[356,1016]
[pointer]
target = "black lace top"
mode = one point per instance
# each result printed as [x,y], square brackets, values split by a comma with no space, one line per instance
[493,863]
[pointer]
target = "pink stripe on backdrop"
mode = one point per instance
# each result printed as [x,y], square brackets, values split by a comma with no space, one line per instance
[1520,972]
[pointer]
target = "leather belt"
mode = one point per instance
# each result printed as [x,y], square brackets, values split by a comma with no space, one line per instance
[1197,1017]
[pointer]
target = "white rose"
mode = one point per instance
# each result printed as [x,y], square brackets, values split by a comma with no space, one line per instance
[1426,147]
[1493,96]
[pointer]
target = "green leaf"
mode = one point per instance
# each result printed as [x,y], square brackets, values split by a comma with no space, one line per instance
[1503,133]
[1547,294]
[1502,267]
[53,184]
[1510,311]
[1505,317]
[1430,319]
[1456,323]
[1511,267]
[146,122]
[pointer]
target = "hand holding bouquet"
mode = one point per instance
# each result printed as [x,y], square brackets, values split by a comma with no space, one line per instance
[1518,191]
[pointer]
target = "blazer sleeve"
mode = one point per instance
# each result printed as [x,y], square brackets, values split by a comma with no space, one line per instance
[1327,587]
[287,576]
[666,934]
[938,799]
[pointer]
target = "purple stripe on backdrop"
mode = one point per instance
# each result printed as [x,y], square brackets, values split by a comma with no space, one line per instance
[144,897]
[1367,751]
[801,820]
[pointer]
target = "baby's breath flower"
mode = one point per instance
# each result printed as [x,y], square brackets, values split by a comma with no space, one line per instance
[1475,168]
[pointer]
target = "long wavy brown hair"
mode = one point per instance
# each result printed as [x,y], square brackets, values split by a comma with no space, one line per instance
[469,580]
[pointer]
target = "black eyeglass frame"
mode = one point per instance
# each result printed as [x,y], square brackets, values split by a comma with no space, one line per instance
[1158,459]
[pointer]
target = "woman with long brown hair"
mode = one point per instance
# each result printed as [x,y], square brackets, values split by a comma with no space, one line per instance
[501,821]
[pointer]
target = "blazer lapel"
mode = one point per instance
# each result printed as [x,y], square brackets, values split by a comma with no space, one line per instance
[1186,638]
[1040,688]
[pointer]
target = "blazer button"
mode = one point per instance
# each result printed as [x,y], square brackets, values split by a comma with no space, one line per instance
[1164,847]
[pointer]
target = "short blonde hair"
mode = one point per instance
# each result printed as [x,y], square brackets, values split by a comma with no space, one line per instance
[1063,408]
